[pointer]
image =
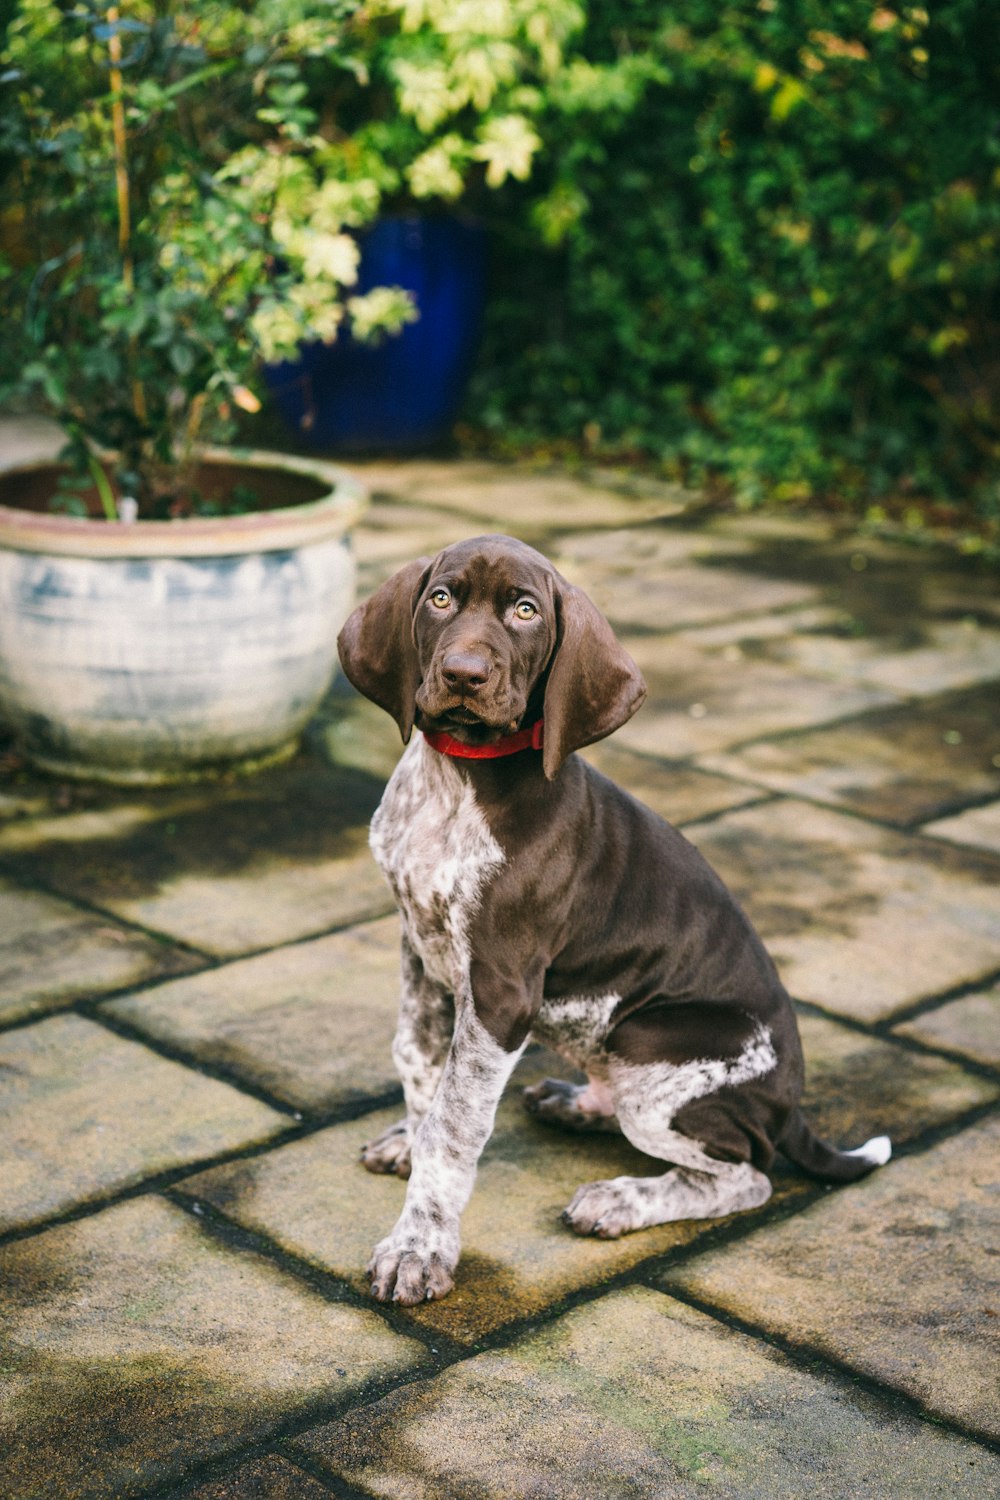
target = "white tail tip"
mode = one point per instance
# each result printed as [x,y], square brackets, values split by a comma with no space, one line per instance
[878,1150]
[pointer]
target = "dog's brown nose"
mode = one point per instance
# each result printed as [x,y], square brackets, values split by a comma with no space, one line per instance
[464,672]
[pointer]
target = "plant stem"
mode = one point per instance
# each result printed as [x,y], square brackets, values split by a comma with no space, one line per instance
[120,134]
[103,488]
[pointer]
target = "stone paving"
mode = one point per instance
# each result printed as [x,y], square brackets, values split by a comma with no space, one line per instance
[196,1014]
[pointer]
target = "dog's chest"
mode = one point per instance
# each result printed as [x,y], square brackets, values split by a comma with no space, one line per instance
[434,846]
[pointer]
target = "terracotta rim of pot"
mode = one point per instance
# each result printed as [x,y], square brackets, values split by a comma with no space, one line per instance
[274,530]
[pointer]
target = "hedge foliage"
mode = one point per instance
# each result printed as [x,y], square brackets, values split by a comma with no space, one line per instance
[763,241]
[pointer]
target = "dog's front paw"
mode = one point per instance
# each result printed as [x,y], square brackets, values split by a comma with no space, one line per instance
[390,1151]
[402,1271]
[606,1209]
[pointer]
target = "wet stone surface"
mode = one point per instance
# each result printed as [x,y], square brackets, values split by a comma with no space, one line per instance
[900,765]
[860,920]
[898,1277]
[135,1346]
[85,1113]
[310,1024]
[183,970]
[637,1397]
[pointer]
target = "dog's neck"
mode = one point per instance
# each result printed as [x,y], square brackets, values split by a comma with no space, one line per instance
[529,738]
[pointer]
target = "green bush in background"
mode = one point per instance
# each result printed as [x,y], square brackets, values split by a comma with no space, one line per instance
[758,243]
[763,242]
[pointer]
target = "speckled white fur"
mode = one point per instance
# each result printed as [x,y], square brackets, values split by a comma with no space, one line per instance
[433,845]
[577,1027]
[415,1262]
[432,842]
[647,1097]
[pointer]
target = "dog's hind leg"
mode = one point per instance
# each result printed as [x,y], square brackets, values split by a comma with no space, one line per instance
[700,1185]
[423,1036]
[704,1189]
[575,1106]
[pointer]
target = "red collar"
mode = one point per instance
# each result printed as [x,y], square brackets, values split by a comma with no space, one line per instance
[523,739]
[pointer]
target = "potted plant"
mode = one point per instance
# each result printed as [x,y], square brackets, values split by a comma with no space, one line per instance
[166,605]
[444,109]
[181,190]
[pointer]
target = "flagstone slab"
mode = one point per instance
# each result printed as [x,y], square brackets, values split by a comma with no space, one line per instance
[310,1024]
[900,765]
[351,732]
[858,1086]
[280,856]
[944,655]
[315,1200]
[270,1478]
[700,701]
[679,793]
[643,549]
[639,1397]
[859,919]
[516,498]
[909,653]
[969,1026]
[52,954]
[136,1346]
[898,1278]
[393,532]
[685,594]
[84,1113]
[978,826]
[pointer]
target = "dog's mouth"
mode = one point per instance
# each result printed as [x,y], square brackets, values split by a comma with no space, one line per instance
[462,724]
[466,723]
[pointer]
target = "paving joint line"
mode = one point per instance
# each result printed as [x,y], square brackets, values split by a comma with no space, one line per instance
[807,1356]
[327,1284]
[855,716]
[211,964]
[128,1031]
[943,997]
[172,1177]
[883,1031]
[94,909]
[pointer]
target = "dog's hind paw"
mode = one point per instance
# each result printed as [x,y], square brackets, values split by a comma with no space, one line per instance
[575,1106]
[390,1151]
[605,1209]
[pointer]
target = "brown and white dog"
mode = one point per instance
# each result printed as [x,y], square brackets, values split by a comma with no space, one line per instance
[539,900]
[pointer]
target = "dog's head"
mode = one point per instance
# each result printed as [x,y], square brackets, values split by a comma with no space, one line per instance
[485,638]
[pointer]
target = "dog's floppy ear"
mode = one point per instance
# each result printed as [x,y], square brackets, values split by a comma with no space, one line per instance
[377,650]
[593,687]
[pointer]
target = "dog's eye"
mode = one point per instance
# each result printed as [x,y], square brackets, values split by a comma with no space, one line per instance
[440,598]
[525,610]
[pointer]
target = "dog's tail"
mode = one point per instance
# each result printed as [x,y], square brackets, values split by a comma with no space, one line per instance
[806,1150]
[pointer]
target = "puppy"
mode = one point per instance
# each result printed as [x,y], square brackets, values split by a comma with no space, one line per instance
[540,900]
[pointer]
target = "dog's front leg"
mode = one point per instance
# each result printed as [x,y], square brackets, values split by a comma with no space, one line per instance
[415,1263]
[423,1036]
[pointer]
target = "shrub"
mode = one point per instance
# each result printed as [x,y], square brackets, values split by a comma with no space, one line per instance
[772,239]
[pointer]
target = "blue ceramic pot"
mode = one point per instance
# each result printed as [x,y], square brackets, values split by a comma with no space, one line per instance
[404,392]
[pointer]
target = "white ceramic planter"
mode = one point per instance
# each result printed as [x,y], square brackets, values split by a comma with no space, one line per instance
[163,650]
